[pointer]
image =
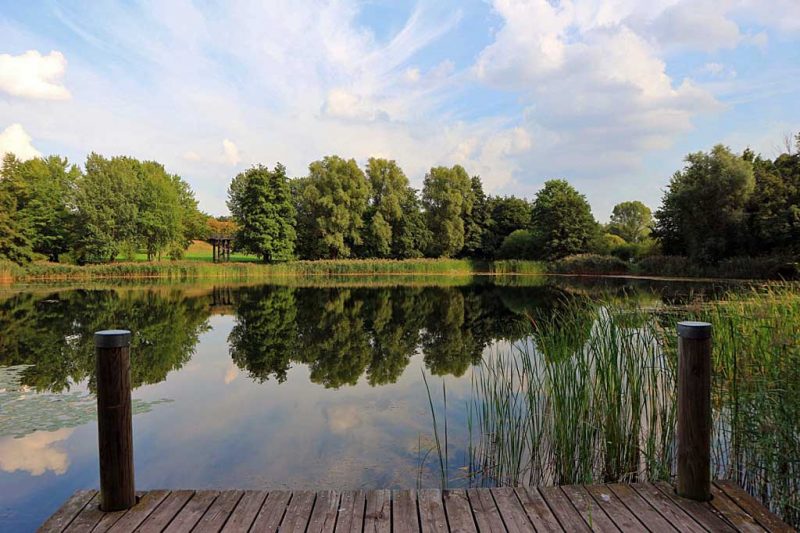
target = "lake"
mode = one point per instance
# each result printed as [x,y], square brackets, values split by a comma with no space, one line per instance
[294,386]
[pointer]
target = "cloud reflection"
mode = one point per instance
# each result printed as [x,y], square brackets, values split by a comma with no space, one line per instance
[35,453]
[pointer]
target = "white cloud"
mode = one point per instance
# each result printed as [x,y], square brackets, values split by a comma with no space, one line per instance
[699,25]
[32,75]
[230,152]
[35,453]
[15,140]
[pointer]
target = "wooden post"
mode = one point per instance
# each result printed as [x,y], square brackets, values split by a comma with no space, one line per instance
[694,410]
[114,424]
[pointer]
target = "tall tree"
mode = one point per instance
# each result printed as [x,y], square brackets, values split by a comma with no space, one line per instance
[703,210]
[773,210]
[447,198]
[265,213]
[508,214]
[333,200]
[14,243]
[477,221]
[562,221]
[159,212]
[631,221]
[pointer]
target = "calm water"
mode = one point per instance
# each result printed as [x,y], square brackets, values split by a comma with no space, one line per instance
[257,386]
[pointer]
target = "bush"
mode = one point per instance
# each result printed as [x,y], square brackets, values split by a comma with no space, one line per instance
[744,267]
[667,265]
[590,264]
[519,244]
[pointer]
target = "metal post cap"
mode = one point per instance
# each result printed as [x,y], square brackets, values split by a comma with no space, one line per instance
[112,338]
[694,330]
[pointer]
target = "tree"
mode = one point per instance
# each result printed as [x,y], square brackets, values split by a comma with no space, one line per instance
[631,221]
[159,212]
[44,189]
[265,213]
[773,210]
[333,200]
[391,228]
[14,244]
[562,220]
[477,221]
[703,210]
[508,214]
[446,198]
[519,244]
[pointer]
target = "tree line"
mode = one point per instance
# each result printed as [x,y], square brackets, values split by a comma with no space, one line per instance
[719,205]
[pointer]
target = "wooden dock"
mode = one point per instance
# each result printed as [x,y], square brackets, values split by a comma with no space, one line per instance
[617,507]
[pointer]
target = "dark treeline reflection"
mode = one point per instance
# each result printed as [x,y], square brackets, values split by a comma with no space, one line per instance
[340,333]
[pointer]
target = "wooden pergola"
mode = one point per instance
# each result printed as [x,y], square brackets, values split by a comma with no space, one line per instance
[221,247]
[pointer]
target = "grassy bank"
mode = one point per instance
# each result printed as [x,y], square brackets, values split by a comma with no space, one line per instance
[189,269]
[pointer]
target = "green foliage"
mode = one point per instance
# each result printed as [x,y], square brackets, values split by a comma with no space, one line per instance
[773,211]
[447,198]
[332,203]
[562,221]
[14,243]
[265,213]
[477,222]
[520,244]
[703,210]
[507,214]
[590,264]
[631,221]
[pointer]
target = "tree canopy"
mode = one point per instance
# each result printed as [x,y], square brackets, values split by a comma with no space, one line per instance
[562,221]
[446,198]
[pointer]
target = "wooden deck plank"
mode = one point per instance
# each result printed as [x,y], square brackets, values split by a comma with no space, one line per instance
[753,507]
[166,511]
[351,512]
[592,513]
[133,517]
[88,518]
[562,508]
[219,511]
[514,516]
[245,511]
[299,512]
[485,511]
[740,519]
[459,514]
[702,512]
[622,517]
[192,512]
[67,512]
[537,510]
[405,518]
[323,518]
[271,511]
[667,508]
[378,514]
[637,505]
[432,516]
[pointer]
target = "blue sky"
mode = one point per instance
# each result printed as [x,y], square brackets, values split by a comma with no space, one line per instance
[609,94]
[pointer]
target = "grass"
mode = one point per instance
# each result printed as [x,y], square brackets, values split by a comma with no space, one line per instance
[590,397]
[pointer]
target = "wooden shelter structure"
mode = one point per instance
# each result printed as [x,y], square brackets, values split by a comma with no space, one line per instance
[221,247]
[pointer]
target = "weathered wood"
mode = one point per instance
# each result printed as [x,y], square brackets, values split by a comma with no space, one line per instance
[114,419]
[88,518]
[245,511]
[459,515]
[192,512]
[133,517]
[511,510]
[732,512]
[166,511]
[219,511]
[405,518]
[591,512]
[640,508]
[67,513]
[297,514]
[272,511]
[537,510]
[666,507]
[378,514]
[323,517]
[563,510]
[484,509]
[703,513]
[752,507]
[622,517]
[351,512]
[432,516]
[694,410]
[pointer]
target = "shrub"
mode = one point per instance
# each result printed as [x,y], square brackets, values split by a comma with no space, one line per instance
[590,264]
[519,244]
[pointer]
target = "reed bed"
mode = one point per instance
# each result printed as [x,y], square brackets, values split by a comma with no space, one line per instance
[590,396]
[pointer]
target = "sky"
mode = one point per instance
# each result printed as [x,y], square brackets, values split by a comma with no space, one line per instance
[608,94]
